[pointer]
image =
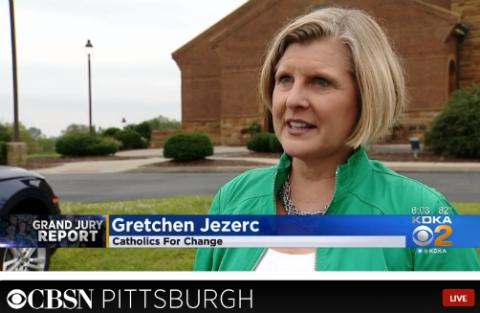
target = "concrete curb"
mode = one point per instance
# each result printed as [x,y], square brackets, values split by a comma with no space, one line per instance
[421,167]
[209,169]
[434,167]
[145,166]
[194,169]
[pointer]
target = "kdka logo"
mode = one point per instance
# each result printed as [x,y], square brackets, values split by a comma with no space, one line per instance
[50,299]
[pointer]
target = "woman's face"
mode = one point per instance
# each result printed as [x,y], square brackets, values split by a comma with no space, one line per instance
[314,103]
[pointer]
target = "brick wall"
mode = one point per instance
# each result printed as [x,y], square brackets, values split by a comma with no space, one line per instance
[200,82]
[158,137]
[470,54]
[232,129]
[210,128]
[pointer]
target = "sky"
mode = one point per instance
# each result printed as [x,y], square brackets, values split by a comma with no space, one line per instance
[133,74]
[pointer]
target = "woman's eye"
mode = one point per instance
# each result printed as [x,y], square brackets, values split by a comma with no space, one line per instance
[283,79]
[321,82]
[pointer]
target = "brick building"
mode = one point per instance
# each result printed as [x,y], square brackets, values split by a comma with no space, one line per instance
[438,42]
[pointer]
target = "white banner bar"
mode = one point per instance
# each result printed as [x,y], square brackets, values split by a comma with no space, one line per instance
[257,242]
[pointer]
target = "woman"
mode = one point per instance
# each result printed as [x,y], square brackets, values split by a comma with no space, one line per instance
[333,84]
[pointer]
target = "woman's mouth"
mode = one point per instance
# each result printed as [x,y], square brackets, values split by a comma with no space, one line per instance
[298,127]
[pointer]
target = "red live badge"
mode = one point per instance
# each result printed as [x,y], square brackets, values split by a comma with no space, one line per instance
[458,297]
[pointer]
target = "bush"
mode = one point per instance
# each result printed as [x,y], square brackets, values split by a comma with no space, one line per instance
[46,144]
[264,142]
[456,130]
[42,145]
[78,144]
[104,146]
[130,139]
[144,129]
[253,129]
[259,143]
[3,152]
[33,137]
[5,133]
[111,132]
[188,147]
[275,145]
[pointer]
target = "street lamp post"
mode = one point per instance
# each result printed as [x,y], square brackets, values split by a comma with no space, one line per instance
[16,150]
[16,127]
[89,48]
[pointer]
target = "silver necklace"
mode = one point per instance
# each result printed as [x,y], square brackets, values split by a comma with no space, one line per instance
[290,208]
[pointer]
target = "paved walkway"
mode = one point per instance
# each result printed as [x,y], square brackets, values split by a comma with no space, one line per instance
[218,150]
[90,167]
[151,156]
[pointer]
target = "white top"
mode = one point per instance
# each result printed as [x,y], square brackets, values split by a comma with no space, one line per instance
[274,261]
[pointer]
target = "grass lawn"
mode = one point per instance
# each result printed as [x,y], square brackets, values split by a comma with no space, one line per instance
[51,154]
[468,207]
[146,259]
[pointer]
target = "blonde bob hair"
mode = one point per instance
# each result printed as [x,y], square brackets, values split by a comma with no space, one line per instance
[374,66]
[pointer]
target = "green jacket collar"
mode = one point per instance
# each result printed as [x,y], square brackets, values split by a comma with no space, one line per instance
[348,175]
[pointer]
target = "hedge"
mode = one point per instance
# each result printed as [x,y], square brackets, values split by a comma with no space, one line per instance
[78,144]
[264,142]
[456,130]
[188,147]
[131,139]
[3,152]
[111,132]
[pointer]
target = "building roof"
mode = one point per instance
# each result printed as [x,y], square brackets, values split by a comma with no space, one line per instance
[251,9]
[228,24]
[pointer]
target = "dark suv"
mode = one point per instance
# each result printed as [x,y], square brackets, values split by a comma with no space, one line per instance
[24,192]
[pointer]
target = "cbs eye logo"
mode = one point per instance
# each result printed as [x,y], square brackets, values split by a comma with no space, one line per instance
[423,236]
[16,299]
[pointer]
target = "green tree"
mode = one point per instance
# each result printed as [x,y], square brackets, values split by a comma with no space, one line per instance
[162,122]
[456,130]
[77,129]
[35,132]
[6,135]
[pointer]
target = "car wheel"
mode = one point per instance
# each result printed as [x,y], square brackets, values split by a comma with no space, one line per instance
[24,259]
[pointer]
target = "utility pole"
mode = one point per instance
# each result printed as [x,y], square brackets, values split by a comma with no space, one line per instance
[16,150]
[16,124]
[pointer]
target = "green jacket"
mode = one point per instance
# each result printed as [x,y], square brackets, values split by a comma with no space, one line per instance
[363,186]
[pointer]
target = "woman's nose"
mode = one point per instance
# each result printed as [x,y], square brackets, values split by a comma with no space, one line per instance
[297,96]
